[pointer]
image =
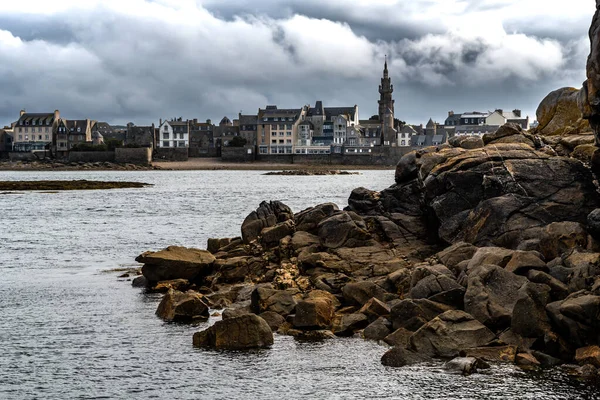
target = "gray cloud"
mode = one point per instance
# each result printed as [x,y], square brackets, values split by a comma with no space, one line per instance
[217,58]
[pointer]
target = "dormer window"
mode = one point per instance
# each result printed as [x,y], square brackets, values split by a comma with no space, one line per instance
[78,129]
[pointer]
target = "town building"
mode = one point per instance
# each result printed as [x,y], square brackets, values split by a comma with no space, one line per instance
[226,131]
[277,129]
[34,131]
[201,138]
[70,133]
[405,134]
[6,140]
[173,134]
[142,136]
[248,127]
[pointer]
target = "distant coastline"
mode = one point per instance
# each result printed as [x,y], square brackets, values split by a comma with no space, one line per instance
[193,164]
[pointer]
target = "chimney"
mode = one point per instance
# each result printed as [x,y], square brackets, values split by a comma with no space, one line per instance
[195,120]
[500,111]
[160,121]
[56,115]
[22,112]
[517,113]
[209,122]
[450,113]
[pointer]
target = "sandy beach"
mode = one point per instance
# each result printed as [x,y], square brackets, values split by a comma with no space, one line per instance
[217,164]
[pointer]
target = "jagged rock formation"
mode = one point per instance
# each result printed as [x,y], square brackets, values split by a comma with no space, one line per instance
[481,251]
[589,101]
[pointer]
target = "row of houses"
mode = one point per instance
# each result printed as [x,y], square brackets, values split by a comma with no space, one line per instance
[304,130]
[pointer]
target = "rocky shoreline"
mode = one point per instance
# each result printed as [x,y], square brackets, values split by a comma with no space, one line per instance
[482,251]
[311,172]
[48,164]
[67,185]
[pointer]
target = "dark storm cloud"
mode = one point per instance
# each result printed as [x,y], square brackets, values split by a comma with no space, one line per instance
[170,58]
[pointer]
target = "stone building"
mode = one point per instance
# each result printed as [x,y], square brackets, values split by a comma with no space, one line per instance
[201,138]
[277,129]
[225,131]
[34,131]
[142,136]
[248,126]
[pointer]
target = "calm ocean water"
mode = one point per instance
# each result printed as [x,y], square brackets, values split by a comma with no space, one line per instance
[71,330]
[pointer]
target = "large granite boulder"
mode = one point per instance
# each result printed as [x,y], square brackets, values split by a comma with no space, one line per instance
[282,302]
[314,313]
[244,332]
[344,229]
[449,333]
[308,220]
[501,194]
[359,293]
[266,215]
[184,307]
[176,262]
[400,357]
[491,295]
[559,113]
[577,318]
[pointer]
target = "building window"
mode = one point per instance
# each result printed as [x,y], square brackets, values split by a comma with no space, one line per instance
[39,137]
[181,144]
[166,143]
[26,130]
[20,137]
[288,126]
[166,135]
[288,133]
[47,130]
[274,141]
[47,137]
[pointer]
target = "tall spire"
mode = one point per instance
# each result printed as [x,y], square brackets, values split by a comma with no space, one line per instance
[385,69]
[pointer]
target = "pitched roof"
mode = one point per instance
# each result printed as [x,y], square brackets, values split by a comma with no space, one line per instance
[36,119]
[177,123]
[331,112]
[248,119]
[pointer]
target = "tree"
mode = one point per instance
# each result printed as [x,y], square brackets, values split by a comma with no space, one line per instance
[237,141]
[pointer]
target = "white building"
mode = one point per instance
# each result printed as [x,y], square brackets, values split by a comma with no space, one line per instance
[174,133]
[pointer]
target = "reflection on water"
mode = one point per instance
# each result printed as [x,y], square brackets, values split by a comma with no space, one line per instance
[70,331]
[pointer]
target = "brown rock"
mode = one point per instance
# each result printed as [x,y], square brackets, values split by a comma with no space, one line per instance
[182,307]
[374,309]
[588,355]
[449,333]
[273,319]
[244,332]
[176,263]
[400,337]
[559,113]
[180,285]
[347,325]
[496,353]
[527,362]
[313,314]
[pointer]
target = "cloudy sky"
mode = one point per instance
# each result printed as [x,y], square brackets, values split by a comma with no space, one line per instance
[141,60]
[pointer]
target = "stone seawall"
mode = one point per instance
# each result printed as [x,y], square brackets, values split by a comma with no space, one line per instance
[91,156]
[378,156]
[133,155]
[238,154]
[171,154]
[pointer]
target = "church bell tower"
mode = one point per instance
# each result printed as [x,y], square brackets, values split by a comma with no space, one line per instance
[386,109]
